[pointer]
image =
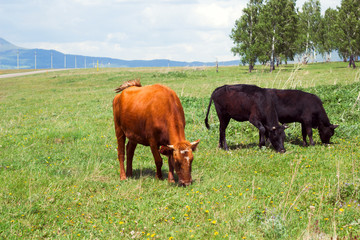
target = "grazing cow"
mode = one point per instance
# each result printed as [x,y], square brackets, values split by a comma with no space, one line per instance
[247,103]
[152,116]
[305,108]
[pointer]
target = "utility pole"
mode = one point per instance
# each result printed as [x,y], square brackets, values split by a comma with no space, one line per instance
[18,65]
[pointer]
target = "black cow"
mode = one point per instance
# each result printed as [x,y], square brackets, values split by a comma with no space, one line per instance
[247,103]
[305,108]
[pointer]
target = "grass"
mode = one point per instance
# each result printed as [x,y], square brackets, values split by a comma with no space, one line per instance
[61,180]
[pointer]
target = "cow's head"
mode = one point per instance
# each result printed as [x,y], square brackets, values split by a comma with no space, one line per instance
[277,137]
[181,157]
[326,133]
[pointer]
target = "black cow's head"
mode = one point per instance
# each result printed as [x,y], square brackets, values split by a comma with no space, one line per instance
[277,137]
[326,133]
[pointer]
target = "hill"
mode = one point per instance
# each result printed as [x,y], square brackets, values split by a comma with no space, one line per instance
[6,46]
[46,59]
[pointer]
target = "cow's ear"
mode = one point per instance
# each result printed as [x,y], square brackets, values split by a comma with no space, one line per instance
[194,145]
[333,126]
[167,150]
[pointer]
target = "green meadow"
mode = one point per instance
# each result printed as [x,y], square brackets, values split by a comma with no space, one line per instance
[60,179]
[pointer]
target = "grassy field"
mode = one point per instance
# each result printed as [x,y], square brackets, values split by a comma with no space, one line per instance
[60,174]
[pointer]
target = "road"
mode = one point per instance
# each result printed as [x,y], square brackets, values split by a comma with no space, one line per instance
[10,75]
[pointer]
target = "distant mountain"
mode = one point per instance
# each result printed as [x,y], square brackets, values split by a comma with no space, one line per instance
[11,56]
[6,46]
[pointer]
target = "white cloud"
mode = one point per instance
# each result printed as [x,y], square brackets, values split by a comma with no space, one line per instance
[184,30]
[116,37]
[90,2]
[218,14]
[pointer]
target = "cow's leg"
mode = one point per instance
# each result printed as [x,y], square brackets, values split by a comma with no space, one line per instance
[304,134]
[267,137]
[310,134]
[262,134]
[262,131]
[224,122]
[158,160]
[262,138]
[307,130]
[130,149]
[120,135]
[171,171]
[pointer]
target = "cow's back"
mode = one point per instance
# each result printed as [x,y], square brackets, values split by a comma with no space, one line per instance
[298,106]
[241,100]
[147,113]
[297,97]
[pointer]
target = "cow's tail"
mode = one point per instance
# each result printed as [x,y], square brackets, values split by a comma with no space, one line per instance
[131,83]
[207,114]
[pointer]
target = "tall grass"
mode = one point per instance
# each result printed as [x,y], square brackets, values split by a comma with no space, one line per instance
[61,180]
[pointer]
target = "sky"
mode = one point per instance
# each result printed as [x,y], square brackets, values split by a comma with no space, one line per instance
[179,30]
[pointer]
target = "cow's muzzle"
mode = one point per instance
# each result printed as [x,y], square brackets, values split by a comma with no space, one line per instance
[185,183]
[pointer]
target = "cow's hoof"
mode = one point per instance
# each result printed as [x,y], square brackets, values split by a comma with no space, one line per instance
[159,177]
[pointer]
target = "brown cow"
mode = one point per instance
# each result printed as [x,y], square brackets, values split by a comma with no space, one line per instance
[152,116]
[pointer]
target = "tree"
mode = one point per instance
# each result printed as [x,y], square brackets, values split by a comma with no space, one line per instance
[290,32]
[245,36]
[348,22]
[309,23]
[277,24]
[328,33]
